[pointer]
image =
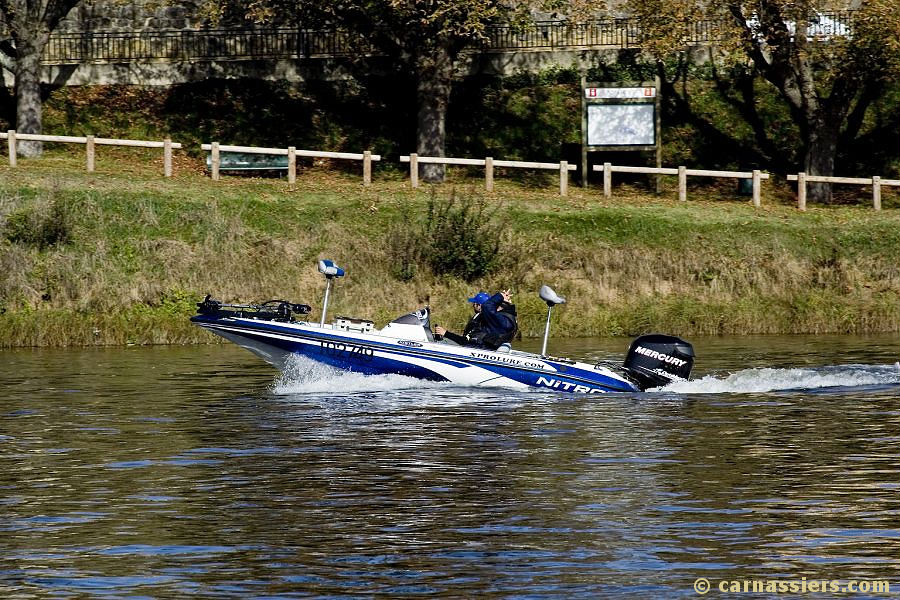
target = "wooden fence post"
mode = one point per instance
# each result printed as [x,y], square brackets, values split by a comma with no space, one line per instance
[11,139]
[414,170]
[214,161]
[489,174]
[367,167]
[90,153]
[682,183]
[607,180]
[292,165]
[563,178]
[801,191]
[167,157]
[756,188]
[876,192]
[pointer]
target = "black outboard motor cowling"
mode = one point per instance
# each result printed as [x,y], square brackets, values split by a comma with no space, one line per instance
[655,360]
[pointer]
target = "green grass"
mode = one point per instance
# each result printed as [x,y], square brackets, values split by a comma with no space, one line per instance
[140,249]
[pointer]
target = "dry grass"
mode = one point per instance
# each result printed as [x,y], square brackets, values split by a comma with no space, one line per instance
[144,248]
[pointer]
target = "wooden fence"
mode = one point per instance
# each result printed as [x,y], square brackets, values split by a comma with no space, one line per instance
[682,172]
[876,182]
[488,163]
[414,160]
[292,153]
[90,142]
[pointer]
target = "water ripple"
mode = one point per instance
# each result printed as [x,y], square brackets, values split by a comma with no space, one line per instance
[209,475]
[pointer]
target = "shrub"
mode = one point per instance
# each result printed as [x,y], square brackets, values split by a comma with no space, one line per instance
[457,237]
[464,238]
[41,225]
[405,246]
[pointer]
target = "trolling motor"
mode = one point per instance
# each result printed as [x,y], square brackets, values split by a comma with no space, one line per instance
[549,296]
[330,271]
[270,310]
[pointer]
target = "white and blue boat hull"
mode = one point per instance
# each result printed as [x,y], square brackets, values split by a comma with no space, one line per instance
[375,353]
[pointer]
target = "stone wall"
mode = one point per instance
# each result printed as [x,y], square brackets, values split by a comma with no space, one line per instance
[132,16]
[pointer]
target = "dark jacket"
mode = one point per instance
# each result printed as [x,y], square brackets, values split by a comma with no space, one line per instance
[497,326]
[471,326]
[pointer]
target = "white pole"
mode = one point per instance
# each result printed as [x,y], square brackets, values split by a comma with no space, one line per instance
[13,149]
[167,157]
[756,194]
[876,192]
[546,332]
[563,178]
[325,303]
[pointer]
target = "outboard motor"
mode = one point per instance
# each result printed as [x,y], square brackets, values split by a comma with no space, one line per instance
[655,360]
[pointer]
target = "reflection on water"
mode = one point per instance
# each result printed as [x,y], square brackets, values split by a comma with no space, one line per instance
[170,472]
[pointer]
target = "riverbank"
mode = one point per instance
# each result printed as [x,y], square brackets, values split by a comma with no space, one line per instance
[120,256]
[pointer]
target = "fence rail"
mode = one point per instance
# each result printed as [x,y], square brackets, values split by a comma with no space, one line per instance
[755,176]
[292,153]
[875,181]
[286,42]
[90,142]
[488,163]
[414,160]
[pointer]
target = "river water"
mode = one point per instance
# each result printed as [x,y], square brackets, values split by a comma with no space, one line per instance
[200,472]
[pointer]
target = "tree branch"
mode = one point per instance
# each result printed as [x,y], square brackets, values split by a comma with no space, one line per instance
[686,113]
[746,106]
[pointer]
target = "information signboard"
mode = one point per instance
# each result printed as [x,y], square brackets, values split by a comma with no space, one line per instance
[621,125]
[618,116]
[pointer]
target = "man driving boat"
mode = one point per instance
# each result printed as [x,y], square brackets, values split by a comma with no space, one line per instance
[496,326]
[463,340]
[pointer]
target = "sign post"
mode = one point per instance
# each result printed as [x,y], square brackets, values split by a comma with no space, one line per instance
[620,116]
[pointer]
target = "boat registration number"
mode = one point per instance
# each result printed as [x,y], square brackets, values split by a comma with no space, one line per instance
[342,349]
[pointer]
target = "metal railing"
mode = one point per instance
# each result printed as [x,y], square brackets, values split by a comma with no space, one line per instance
[619,32]
[243,44]
[194,44]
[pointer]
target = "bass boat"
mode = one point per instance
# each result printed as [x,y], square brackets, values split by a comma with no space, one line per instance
[277,329]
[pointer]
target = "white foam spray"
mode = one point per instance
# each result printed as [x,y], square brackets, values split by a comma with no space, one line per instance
[302,375]
[771,380]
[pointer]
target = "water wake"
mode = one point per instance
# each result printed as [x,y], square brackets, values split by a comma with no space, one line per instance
[305,376]
[302,376]
[798,379]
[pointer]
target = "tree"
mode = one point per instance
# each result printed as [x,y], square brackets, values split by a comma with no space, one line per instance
[422,38]
[30,23]
[426,37]
[828,79]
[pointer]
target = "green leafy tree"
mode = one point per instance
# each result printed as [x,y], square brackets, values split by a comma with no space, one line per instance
[29,24]
[426,37]
[423,38]
[828,79]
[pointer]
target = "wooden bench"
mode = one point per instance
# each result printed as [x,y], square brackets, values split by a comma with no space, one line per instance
[244,161]
[251,158]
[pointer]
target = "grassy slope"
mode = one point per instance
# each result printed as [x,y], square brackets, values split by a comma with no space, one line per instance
[142,249]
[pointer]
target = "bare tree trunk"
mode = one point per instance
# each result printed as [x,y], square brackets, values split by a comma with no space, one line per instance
[435,81]
[821,150]
[29,113]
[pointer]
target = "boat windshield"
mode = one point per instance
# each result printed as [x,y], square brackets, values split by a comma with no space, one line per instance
[419,317]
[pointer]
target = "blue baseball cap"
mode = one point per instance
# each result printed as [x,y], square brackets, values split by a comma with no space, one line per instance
[480,298]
